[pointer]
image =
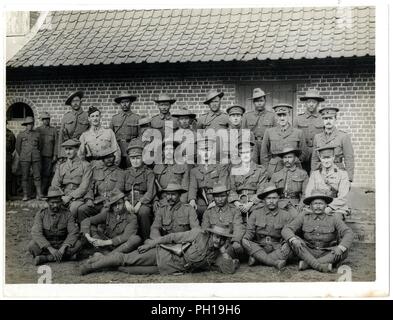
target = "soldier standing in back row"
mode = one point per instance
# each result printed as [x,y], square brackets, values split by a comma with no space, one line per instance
[164,103]
[125,126]
[49,150]
[215,118]
[283,135]
[310,122]
[259,120]
[344,158]
[74,122]
[28,147]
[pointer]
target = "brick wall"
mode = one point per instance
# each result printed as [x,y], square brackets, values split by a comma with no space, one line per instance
[348,83]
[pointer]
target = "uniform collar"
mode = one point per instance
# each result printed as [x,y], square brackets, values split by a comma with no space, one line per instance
[98,130]
[268,211]
[127,113]
[309,115]
[258,113]
[176,206]
[318,216]
[72,161]
[331,134]
[285,129]
[214,114]
[77,112]
[332,169]
[292,169]
[168,116]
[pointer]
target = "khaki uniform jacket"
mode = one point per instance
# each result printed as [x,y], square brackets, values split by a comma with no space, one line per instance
[319,231]
[158,122]
[104,180]
[73,177]
[264,226]
[118,228]
[202,177]
[125,127]
[343,151]
[201,255]
[254,180]
[73,124]
[28,146]
[213,120]
[310,124]
[334,183]
[141,180]
[293,181]
[228,215]
[54,229]
[179,218]
[258,122]
[49,147]
[94,141]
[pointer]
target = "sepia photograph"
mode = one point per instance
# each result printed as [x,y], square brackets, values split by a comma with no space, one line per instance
[190,145]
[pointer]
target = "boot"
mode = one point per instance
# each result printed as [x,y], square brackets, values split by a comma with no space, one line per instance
[303,265]
[111,260]
[38,260]
[38,190]
[25,191]
[252,261]
[310,260]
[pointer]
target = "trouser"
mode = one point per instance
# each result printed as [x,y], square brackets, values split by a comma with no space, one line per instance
[124,162]
[268,255]
[130,245]
[201,208]
[118,259]
[241,254]
[74,207]
[257,150]
[25,168]
[35,249]
[8,169]
[145,220]
[86,210]
[318,258]
[46,173]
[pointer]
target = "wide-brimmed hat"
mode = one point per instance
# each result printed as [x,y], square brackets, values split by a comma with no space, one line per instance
[54,192]
[221,230]
[75,143]
[257,93]
[103,153]
[282,108]
[317,194]
[125,95]
[174,186]
[212,94]
[287,150]
[235,109]
[72,95]
[268,190]
[163,97]
[219,187]
[326,147]
[312,94]
[27,121]
[144,121]
[115,196]
[45,115]
[328,111]
[184,112]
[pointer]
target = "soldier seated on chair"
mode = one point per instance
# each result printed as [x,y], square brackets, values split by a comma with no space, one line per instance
[174,216]
[227,214]
[262,240]
[104,180]
[332,180]
[325,238]
[199,251]
[291,179]
[54,233]
[114,229]
[73,177]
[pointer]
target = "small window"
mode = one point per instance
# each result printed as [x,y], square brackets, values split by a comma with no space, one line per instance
[19,111]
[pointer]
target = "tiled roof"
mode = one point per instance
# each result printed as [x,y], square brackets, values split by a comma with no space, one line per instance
[190,35]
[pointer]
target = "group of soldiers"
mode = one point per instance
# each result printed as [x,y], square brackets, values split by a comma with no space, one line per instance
[284,198]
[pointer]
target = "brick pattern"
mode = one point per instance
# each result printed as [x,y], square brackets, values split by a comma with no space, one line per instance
[349,84]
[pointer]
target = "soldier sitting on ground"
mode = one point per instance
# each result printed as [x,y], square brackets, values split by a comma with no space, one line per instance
[55,233]
[325,238]
[194,250]
[114,229]
[291,179]
[262,240]
[73,176]
[104,180]
[174,216]
[226,214]
[333,181]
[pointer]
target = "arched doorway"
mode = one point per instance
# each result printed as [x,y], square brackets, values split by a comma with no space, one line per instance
[16,113]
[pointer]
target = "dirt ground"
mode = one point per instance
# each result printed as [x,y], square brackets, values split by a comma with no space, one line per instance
[19,267]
